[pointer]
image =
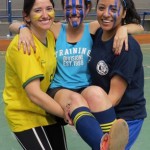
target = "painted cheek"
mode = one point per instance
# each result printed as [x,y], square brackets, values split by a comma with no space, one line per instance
[52,14]
[119,10]
[116,15]
[36,17]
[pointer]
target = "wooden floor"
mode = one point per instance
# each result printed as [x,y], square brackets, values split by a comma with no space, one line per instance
[141,38]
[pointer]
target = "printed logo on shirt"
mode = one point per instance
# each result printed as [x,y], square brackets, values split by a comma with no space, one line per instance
[74,56]
[102,68]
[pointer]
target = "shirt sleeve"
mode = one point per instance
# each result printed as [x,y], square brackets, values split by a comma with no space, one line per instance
[124,65]
[27,67]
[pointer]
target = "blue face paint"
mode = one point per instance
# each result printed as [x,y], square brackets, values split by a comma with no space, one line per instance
[67,10]
[117,14]
[81,11]
[71,11]
[74,13]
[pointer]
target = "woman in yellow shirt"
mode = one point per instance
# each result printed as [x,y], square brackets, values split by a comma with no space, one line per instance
[27,80]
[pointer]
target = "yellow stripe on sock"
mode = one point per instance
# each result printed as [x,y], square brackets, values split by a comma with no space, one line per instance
[81,114]
[107,126]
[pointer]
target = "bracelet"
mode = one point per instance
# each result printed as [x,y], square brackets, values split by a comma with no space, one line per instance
[22,26]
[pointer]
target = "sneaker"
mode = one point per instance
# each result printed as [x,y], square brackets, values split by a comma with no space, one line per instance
[117,138]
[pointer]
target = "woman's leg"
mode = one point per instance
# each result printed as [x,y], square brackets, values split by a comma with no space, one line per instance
[65,97]
[43,138]
[100,106]
[85,123]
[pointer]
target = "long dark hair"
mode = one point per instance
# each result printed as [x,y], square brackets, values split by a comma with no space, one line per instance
[131,14]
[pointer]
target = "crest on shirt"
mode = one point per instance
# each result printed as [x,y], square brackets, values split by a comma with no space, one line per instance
[102,68]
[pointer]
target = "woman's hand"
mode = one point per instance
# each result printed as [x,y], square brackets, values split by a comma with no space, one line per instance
[26,39]
[120,38]
[67,115]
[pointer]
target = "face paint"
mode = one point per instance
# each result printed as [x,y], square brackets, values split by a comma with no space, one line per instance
[67,10]
[81,12]
[36,17]
[111,10]
[117,14]
[71,11]
[51,14]
[74,13]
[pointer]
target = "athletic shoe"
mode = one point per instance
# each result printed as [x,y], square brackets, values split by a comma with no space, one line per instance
[117,138]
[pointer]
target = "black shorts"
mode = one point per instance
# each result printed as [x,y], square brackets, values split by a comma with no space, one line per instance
[51,92]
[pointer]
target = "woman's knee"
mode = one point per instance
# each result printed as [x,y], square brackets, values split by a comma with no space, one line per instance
[94,93]
[96,98]
[77,99]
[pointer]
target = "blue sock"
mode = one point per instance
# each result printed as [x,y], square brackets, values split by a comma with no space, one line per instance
[106,119]
[87,127]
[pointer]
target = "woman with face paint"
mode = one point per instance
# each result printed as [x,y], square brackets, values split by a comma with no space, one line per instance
[27,79]
[122,76]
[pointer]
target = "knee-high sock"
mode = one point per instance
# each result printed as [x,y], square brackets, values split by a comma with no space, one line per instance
[106,119]
[87,126]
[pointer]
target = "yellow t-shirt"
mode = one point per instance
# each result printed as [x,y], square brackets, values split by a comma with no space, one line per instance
[21,112]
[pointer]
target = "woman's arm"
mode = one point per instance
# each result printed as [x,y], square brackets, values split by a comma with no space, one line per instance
[43,100]
[14,27]
[25,36]
[134,28]
[121,36]
[117,89]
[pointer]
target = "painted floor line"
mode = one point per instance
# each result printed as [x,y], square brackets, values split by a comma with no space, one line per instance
[146,78]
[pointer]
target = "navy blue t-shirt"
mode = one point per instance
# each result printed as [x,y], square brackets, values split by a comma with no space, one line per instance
[104,64]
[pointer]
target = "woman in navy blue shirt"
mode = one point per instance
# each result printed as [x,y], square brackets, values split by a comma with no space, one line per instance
[122,77]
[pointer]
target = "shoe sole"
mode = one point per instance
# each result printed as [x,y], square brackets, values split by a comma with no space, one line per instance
[119,135]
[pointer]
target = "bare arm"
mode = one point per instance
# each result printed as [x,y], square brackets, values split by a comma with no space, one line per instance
[117,88]
[134,28]
[14,27]
[43,100]
[25,36]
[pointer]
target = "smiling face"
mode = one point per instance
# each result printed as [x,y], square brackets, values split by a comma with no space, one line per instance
[41,15]
[110,14]
[74,12]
